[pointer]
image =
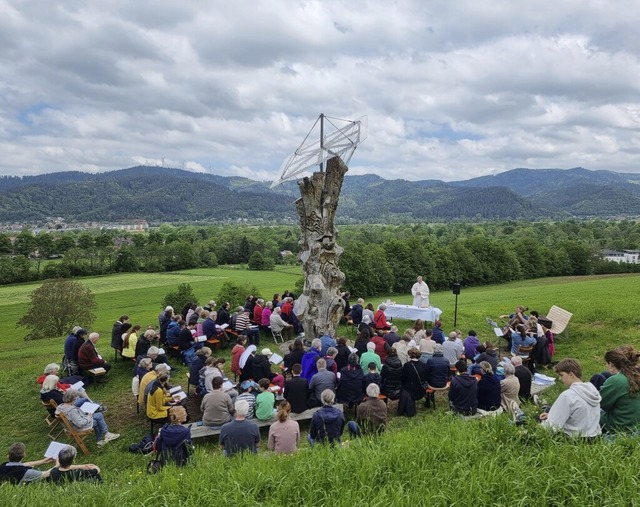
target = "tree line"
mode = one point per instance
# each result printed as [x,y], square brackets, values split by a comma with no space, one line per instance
[377,259]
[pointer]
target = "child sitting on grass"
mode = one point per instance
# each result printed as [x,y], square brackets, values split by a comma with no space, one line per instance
[373,377]
[264,401]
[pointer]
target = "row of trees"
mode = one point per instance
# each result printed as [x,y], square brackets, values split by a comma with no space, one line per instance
[378,259]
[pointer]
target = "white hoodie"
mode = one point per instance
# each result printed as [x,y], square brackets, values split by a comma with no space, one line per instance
[576,411]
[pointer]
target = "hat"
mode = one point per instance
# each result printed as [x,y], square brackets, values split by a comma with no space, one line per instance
[266,352]
[168,309]
[248,384]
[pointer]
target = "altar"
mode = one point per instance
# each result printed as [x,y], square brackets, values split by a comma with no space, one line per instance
[410,312]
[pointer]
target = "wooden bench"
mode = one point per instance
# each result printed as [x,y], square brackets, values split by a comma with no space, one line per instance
[78,436]
[431,394]
[560,320]
[206,431]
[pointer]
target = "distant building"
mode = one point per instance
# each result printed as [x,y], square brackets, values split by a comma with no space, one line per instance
[626,256]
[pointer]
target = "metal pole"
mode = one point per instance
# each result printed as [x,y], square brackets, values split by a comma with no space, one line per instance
[321,136]
[455,313]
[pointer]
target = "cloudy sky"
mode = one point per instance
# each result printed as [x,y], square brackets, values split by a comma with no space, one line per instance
[451,89]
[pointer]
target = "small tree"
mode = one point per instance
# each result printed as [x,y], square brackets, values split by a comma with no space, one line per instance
[56,306]
[259,262]
[236,293]
[180,297]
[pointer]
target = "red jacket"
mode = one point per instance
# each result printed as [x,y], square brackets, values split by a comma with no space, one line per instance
[380,320]
[257,315]
[381,347]
[88,356]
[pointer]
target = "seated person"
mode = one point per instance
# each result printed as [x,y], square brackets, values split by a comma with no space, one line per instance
[372,376]
[370,357]
[471,343]
[262,366]
[351,385]
[239,435]
[144,342]
[243,326]
[296,351]
[463,392]
[217,407]
[488,389]
[356,312]
[71,348]
[88,357]
[371,415]
[284,434]
[509,389]
[172,437]
[51,392]
[296,390]
[159,399]
[248,391]
[15,471]
[391,375]
[236,354]
[380,319]
[323,379]
[130,341]
[487,353]
[521,338]
[311,356]
[414,375]
[327,424]
[66,471]
[279,325]
[620,393]
[63,383]
[524,377]
[82,421]
[438,368]
[265,401]
[198,365]
[452,349]
[173,330]
[148,378]
[214,368]
[577,410]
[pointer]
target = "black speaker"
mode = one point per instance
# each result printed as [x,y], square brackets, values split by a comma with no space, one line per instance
[456,288]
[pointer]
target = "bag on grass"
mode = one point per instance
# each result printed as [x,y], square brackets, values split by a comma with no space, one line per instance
[145,446]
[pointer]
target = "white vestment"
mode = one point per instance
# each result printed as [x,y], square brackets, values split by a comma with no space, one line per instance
[420,293]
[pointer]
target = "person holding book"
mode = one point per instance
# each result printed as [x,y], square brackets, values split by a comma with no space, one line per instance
[217,407]
[51,392]
[88,357]
[82,420]
[66,471]
[159,399]
[17,471]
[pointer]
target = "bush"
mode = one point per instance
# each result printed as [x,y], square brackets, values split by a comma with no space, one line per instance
[56,306]
[179,297]
[235,293]
[259,262]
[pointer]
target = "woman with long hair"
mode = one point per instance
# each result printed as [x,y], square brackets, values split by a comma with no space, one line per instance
[129,341]
[621,391]
[284,434]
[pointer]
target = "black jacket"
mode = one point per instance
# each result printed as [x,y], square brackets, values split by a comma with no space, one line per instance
[296,392]
[391,377]
[262,368]
[413,375]
[438,371]
[463,394]
[342,358]
[351,387]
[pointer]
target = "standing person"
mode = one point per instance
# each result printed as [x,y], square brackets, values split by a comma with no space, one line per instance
[284,434]
[577,410]
[15,471]
[239,435]
[420,293]
[621,391]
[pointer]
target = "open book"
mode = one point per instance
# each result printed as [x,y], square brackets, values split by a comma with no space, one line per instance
[89,407]
[201,338]
[77,385]
[275,359]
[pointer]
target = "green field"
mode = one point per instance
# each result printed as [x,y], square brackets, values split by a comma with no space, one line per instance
[432,459]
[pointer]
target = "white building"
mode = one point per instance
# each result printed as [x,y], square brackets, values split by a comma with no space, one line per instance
[626,256]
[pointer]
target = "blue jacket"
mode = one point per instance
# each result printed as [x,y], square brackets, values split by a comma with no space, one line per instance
[489,392]
[438,370]
[173,331]
[356,314]
[463,394]
[326,341]
[327,424]
[438,335]
[209,328]
[309,367]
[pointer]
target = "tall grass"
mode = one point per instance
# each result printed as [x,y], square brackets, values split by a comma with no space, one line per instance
[432,459]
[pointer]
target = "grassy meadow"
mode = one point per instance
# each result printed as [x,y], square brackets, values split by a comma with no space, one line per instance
[432,459]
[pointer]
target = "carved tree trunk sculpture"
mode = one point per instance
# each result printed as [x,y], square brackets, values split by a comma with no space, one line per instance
[320,306]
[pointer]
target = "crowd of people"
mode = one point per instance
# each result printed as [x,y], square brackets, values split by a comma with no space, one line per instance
[381,365]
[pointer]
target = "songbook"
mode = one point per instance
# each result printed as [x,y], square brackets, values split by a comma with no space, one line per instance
[53,450]
[77,385]
[201,338]
[224,326]
[226,385]
[179,396]
[275,359]
[498,331]
[353,350]
[175,389]
[98,371]
[89,407]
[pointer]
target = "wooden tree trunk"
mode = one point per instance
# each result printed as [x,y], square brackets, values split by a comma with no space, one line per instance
[320,307]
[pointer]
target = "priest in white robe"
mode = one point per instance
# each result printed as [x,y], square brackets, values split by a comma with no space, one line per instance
[420,293]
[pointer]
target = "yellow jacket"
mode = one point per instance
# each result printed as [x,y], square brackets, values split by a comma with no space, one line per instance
[157,404]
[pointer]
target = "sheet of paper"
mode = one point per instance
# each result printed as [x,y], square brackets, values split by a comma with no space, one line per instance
[227,385]
[179,396]
[353,350]
[89,407]
[275,359]
[201,338]
[97,371]
[53,449]
[224,326]
[168,367]
[175,389]
[161,351]
[77,385]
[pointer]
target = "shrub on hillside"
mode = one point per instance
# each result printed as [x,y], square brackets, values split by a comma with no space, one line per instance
[236,293]
[56,306]
[179,297]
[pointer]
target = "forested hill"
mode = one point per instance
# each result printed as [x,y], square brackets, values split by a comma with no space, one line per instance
[162,194]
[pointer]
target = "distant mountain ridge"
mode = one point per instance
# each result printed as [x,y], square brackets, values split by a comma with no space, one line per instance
[162,194]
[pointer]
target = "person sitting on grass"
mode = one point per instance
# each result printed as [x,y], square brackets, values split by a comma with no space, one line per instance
[372,375]
[524,377]
[284,434]
[577,410]
[217,407]
[173,438]
[509,388]
[488,389]
[66,471]
[621,391]
[264,401]
[463,392]
[15,471]
[239,435]
[82,421]
[371,415]
[327,424]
